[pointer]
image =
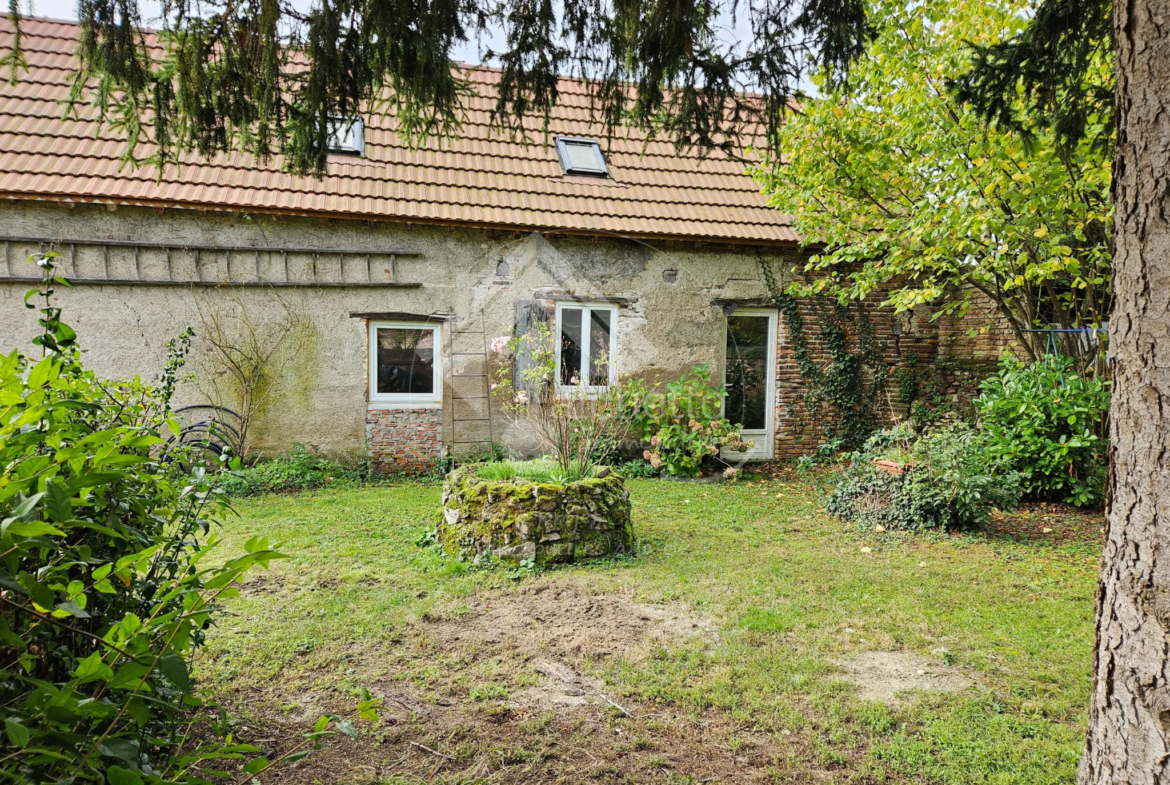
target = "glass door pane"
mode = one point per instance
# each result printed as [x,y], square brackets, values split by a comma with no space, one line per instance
[599,339]
[747,371]
[571,343]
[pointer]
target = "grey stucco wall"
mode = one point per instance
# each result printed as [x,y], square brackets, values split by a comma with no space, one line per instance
[664,328]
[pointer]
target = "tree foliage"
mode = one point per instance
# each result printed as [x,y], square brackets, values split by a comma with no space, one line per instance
[1056,63]
[907,188]
[268,76]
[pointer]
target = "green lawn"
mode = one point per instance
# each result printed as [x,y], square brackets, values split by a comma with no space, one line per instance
[788,591]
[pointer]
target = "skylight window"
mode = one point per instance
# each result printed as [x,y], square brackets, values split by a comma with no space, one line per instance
[347,136]
[581,156]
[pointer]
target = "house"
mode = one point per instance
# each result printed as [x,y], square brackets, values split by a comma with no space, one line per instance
[370,296]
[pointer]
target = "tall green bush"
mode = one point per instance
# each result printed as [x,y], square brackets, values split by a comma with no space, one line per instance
[106,588]
[947,480]
[1046,422]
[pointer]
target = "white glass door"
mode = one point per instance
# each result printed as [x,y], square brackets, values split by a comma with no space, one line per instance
[749,376]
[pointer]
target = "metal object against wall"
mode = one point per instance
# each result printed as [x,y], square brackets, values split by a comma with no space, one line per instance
[323,267]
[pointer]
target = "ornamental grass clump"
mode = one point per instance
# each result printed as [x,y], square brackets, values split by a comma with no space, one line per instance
[542,471]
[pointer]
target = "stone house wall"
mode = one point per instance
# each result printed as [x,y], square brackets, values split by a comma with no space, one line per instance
[468,279]
[670,299]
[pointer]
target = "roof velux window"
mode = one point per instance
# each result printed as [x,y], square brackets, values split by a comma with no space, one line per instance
[581,156]
[347,135]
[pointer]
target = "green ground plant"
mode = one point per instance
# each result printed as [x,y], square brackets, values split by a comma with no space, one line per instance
[946,478]
[295,470]
[1046,422]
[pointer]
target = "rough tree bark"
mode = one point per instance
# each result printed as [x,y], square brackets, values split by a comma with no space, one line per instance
[1129,713]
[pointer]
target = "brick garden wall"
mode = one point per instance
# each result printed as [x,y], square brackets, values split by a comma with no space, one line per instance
[964,351]
[969,347]
[404,441]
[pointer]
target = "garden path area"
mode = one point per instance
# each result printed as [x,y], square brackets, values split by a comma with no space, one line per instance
[752,640]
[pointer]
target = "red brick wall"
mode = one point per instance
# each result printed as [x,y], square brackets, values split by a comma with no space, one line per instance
[979,336]
[897,337]
[964,350]
[404,441]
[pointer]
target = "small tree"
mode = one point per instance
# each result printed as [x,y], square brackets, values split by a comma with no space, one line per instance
[575,426]
[245,353]
[909,190]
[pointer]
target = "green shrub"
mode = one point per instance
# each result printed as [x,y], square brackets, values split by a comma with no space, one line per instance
[107,591]
[295,470]
[683,426]
[949,480]
[1046,421]
[104,597]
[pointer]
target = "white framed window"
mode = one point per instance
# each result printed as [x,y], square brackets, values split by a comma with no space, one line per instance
[405,362]
[347,135]
[586,337]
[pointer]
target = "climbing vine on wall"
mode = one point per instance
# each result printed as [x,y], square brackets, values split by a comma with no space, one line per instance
[842,393]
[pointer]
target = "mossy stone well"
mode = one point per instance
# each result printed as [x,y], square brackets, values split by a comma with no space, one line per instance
[517,520]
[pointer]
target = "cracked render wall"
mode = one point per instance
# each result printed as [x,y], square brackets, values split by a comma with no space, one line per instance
[667,322]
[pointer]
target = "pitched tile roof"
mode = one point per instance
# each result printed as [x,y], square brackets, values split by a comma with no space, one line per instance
[480,178]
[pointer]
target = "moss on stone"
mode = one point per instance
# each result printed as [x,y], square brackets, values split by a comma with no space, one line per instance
[517,520]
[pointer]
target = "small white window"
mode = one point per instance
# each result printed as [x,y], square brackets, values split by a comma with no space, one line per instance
[405,363]
[581,156]
[587,346]
[347,135]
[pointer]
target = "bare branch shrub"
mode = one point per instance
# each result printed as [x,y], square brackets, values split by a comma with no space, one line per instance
[245,349]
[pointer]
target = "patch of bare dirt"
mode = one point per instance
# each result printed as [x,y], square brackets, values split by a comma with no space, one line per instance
[886,675]
[1049,523]
[556,725]
[259,583]
[562,686]
[563,620]
[603,743]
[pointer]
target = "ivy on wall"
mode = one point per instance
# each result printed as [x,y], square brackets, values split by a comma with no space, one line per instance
[842,393]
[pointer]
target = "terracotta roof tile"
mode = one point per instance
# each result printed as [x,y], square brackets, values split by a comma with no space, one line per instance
[484,177]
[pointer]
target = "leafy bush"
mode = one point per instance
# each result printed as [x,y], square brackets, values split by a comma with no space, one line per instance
[948,480]
[1046,422]
[295,470]
[683,426]
[544,471]
[576,426]
[106,588]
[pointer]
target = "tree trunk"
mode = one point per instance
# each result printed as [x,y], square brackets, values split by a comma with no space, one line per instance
[1129,713]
